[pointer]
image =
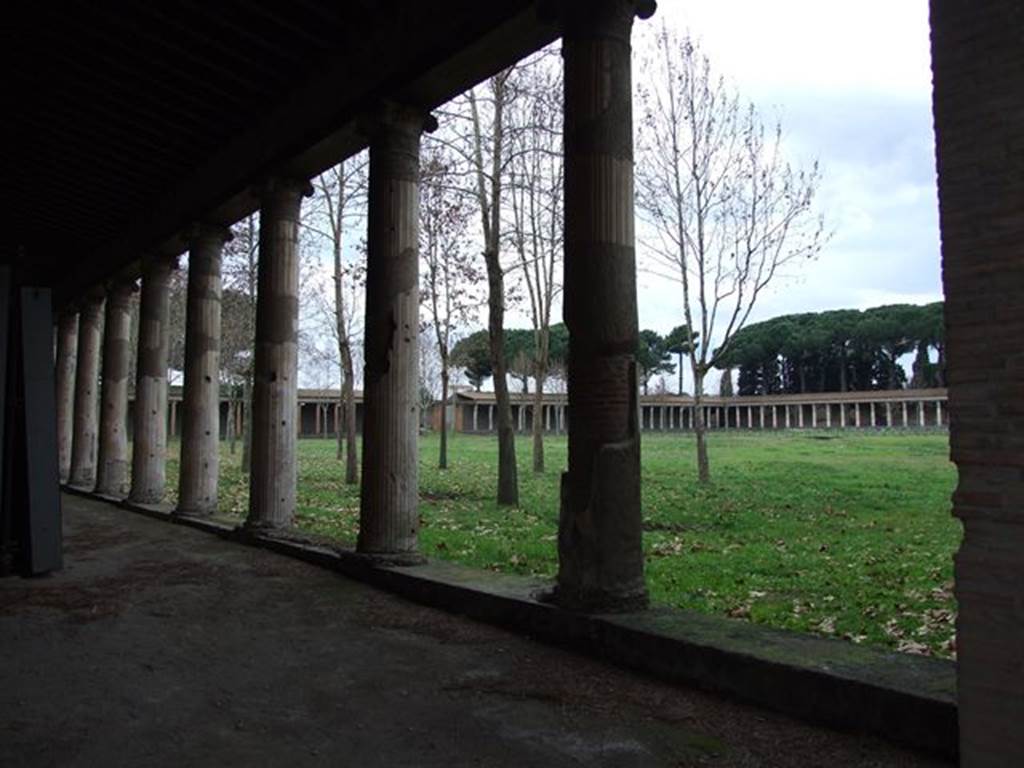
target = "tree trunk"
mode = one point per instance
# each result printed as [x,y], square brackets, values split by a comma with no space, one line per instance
[247,423]
[538,423]
[442,459]
[349,416]
[700,429]
[339,432]
[231,422]
[508,473]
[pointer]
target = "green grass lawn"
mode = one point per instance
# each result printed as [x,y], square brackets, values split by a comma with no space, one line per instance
[841,534]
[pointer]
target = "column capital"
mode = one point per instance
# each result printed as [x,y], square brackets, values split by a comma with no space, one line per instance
[159,262]
[604,17]
[121,289]
[201,232]
[277,187]
[90,302]
[392,116]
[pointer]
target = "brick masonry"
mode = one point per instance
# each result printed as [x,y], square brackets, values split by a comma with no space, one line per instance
[978,66]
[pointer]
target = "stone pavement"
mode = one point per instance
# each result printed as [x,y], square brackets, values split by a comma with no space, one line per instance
[160,645]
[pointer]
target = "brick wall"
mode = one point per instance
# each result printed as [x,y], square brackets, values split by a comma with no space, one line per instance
[978,65]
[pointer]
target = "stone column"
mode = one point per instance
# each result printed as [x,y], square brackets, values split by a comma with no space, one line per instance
[814,415]
[112,461]
[888,414]
[787,416]
[842,415]
[872,414]
[938,413]
[599,543]
[275,403]
[475,409]
[200,405]
[67,349]
[905,422]
[920,412]
[388,515]
[87,379]
[149,428]
[828,415]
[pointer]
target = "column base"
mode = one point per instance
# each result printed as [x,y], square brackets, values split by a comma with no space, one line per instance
[146,499]
[392,559]
[194,512]
[595,601]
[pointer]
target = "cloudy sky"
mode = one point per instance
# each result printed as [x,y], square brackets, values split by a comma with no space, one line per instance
[851,85]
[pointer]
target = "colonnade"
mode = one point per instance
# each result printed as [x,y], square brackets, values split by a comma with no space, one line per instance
[601,558]
[872,414]
[907,413]
[481,417]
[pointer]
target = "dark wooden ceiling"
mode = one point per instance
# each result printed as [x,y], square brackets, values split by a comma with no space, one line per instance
[126,122]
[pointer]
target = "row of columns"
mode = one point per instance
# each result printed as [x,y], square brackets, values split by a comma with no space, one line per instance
[680,417]
[601,560]
[482,418]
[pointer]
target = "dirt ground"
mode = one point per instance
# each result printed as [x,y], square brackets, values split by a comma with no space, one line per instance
[159,645]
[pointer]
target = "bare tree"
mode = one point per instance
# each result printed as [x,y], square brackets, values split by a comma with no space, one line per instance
[240,271]
[535,192]
[448,289]
[475,129]
[340,202]
[727,212]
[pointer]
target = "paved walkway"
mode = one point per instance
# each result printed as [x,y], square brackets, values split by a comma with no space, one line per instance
[159,645]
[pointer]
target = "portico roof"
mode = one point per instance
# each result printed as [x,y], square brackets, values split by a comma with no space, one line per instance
[129,122]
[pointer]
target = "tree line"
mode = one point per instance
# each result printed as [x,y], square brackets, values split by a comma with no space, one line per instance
[839,351]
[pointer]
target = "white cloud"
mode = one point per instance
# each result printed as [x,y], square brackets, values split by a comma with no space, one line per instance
[851,84]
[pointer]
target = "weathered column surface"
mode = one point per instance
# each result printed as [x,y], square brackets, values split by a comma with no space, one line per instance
[200,406]
[388,516]
[67,350]
[978,75]
[112,461]
[599,541]
[87,381]
[149,425]
[275,405]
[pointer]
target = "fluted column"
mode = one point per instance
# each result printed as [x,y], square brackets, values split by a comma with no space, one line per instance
[599,539]
[200,407]
[112,461]
[275,406]
[149,425]
[388,514]
[87,379]
[67,349]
